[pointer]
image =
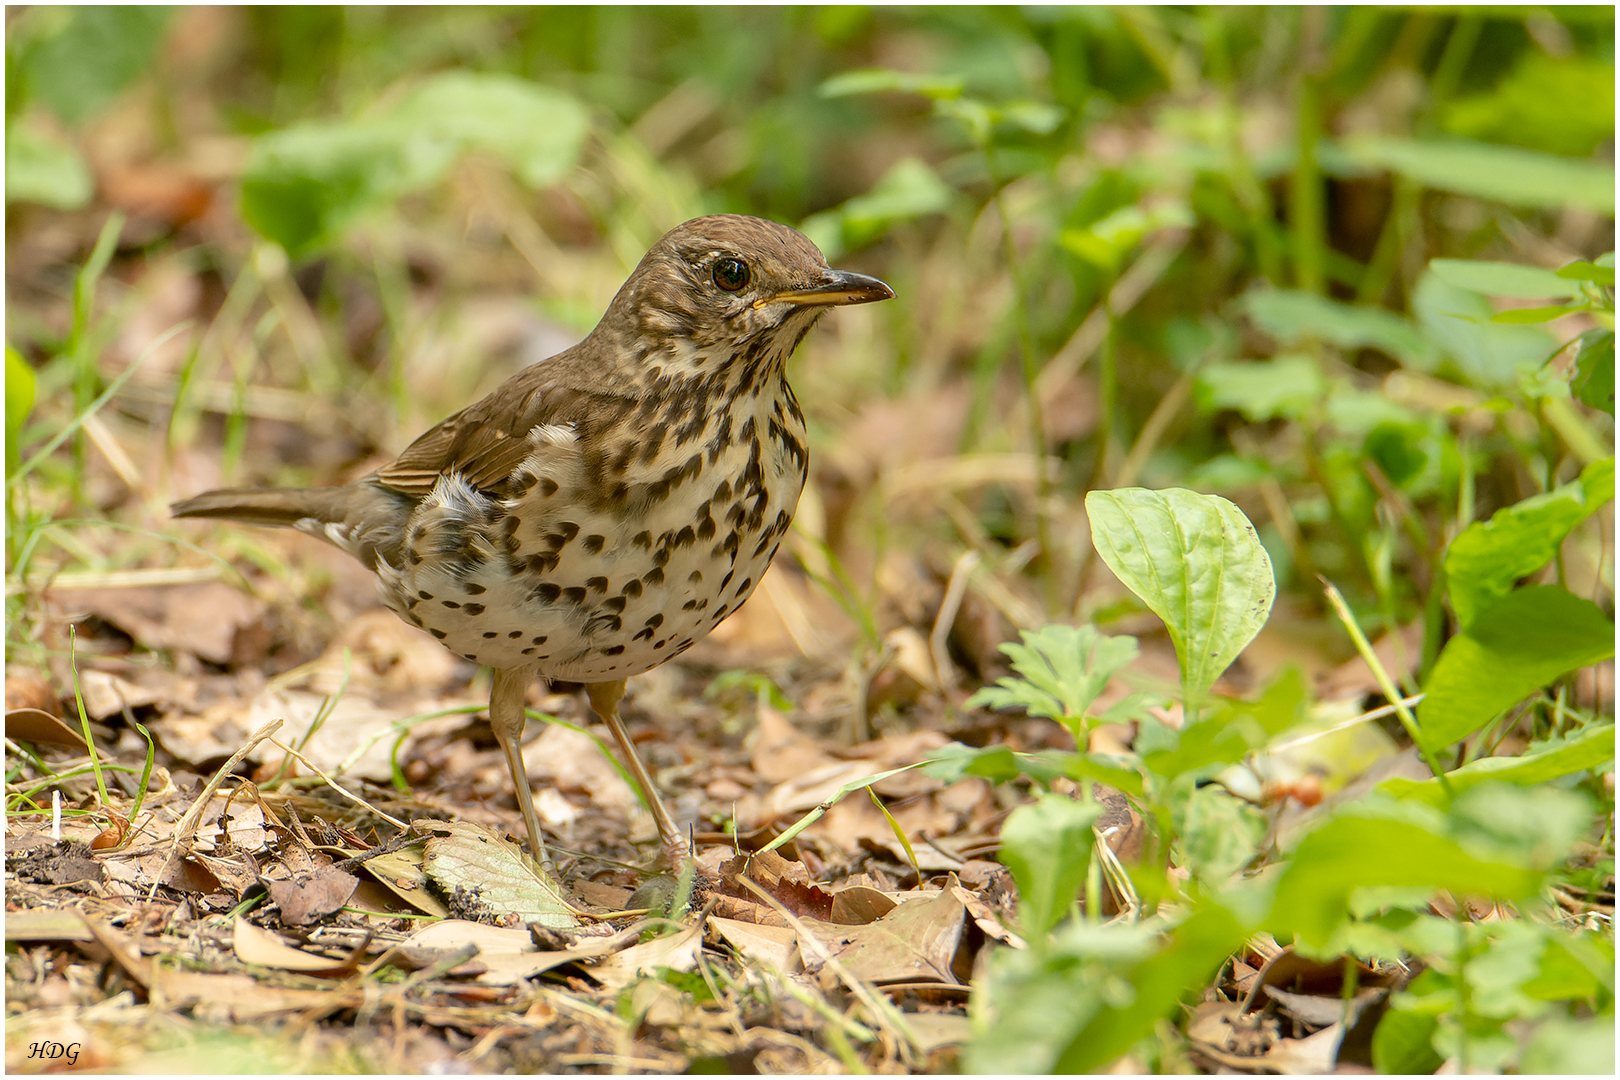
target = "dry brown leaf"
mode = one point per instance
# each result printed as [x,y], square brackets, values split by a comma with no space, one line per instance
[37,725]
[678,952]
[860,904]
[47,924]
[777,946]
[208,619]
[916,941]
[254,945]
[782,752]
[307,897]
[401,874]
[106,694]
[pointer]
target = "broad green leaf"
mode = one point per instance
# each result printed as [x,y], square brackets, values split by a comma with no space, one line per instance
[1488,171]
[39,169]
[1398,450]
[1585,271]
[1563,104]
[1061,670]
[1196,562]
[1590,748]
[1156,988]
[1488,557]
[538,130]
[1515,646]
[1291,316]
[1593,383]
[1502,279]
[1357,849]
[1039,1000]
[1106,241]
[304,184]
[19,403]
[1531,826]
[1402,1044]
[1486,353]
[1286,386]
[1219,833]
[1565,1047]
[1047,844]
[909,190]
[78,59]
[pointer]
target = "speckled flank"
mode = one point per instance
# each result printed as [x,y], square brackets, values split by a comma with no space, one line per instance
[598,567]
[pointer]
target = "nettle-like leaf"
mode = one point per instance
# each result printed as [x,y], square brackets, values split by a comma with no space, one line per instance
[1483,563]
[1061,670]
[1197,564]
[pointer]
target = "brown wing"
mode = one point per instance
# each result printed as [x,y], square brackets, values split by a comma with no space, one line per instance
[486,441]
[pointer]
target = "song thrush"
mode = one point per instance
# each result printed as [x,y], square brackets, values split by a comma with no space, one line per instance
[607,507]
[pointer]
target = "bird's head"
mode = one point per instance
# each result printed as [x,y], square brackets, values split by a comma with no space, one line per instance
[729,289]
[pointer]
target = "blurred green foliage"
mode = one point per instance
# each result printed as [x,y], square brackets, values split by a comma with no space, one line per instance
[1350,267]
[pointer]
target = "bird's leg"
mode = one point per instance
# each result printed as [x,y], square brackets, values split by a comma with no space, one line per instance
[506,717]
[604,699]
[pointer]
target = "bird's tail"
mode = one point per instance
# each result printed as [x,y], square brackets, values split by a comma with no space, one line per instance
[267,506]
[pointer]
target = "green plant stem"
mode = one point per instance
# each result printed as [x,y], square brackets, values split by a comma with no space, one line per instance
[1387,685]
[1044,563]
[84,717]
[1307,220]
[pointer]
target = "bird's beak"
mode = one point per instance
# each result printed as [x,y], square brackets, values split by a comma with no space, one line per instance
[836,287]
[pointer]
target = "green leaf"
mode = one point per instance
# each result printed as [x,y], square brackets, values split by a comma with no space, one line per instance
[1360,848]
[1220,833]
[1156,987]
[1528,826]
[1515,646]
[876,80]
[1047,844]
[1061,671]
[1458,320]
[1502,279]
[1522,316]
[1585,271]
[78,59]
[1563,104]
[1590,748]
[303,185]
[539,131]
[20,391]
[39,169]
[954,760]
[1402,1043]
[1286,386]
[1488,171]
[1485,561]
[1593,383]
[1397,449]
[1291,317]
[1565,1047]
[1107,241]
[1196,562]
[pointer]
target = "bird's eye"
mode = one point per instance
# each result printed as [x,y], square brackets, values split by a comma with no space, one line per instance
[731,274]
